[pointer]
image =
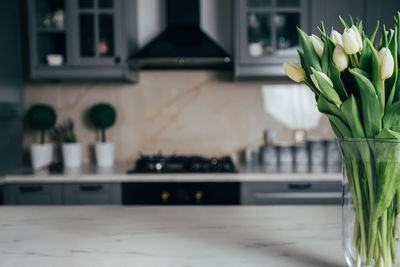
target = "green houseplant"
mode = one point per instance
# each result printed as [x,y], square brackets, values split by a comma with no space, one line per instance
[103,116]
[356,85]
[41,117]
[64,134]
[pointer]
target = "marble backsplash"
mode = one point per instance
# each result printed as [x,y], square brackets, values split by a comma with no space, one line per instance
[185,112]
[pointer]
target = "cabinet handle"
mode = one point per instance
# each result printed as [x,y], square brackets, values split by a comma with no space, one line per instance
[91,188]
[299,186]
[30,188]
[164,196]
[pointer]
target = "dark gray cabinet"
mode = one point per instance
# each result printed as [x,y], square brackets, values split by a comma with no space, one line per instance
[90,39]
[92,194]
[265,35]
[32,194]
[59,194]
[295,192]
[11,87]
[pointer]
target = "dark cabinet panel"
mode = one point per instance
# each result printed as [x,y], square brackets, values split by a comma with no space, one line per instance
[89,39]
[266,36]
[304,192]
[32,194]
[92,194]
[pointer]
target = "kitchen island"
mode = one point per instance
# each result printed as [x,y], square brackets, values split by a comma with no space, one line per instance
[175,236]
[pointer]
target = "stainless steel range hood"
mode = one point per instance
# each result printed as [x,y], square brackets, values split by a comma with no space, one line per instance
[182,44]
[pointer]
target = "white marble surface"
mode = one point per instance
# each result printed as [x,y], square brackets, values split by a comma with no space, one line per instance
[268,236]
[118,174]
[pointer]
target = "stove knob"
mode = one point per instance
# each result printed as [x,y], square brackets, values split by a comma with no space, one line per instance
[198,196]
[165,196]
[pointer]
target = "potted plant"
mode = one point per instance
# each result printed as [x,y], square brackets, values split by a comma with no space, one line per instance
[41,117]
[103,116]
[71,150]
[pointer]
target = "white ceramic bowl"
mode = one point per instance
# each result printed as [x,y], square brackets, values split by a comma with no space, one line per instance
[55,60]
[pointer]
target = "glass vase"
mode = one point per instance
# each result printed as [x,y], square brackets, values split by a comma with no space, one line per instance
[370,201]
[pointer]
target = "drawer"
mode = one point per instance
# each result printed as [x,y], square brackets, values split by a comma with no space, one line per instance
[259,193]
[32,194]
[92,194]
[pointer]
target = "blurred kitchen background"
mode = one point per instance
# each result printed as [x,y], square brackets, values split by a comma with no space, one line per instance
[186,77]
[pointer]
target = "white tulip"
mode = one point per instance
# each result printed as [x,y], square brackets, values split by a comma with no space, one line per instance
[294,71]
[318,44]
[358,37]
[386,63]
[352,42]
[340,58]
[323,75]
[336,37]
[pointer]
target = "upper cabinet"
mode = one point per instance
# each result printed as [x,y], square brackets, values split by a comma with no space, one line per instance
[81,39]
[266,36]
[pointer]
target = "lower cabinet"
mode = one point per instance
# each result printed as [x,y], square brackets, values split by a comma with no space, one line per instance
[291,193]
[59,194]
[32,194]
[92,194]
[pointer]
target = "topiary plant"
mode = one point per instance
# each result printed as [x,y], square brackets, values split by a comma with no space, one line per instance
[41,117]
[103,116]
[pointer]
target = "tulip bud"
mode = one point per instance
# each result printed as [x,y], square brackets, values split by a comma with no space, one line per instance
[323,75]
[358,37]
[294,71]
[352,42]
[336,37]
[318,44]
[386,63]
[340,58]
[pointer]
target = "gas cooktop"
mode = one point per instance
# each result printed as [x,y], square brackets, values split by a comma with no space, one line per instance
[182,164]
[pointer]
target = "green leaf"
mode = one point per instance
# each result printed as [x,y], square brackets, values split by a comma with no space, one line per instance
[387,155]
[351,20]
[334,74]
[385,41]
[372,35]
[371,108]
[325,57]
[326,89]
[335,117]
[376,72]
[366,58]
[388,134]
[351,111]
[390,84]
[304,64]
[343,22]
[391,119]
[310,56]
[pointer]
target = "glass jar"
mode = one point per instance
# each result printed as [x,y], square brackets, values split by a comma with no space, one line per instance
[370,199]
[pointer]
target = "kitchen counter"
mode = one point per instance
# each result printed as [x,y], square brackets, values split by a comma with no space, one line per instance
[118,174]
[171,236]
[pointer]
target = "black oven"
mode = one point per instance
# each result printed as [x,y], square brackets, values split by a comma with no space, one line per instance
[181,193]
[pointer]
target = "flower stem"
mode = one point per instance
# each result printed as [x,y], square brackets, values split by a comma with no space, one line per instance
[356,59]
[315,90]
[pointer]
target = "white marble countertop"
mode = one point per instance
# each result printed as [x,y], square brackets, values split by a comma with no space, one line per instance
[268,236]
[118,174]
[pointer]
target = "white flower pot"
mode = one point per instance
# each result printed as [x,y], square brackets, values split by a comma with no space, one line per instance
[41,155]
[72,155]
[104,154]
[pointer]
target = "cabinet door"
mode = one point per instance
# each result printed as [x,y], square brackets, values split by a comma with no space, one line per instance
[96,32]
[32,194]
[267,30]
[92,194]
[265,193]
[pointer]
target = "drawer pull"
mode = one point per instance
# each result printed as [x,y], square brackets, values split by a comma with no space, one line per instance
[91,188]
[299,186]
[30,188]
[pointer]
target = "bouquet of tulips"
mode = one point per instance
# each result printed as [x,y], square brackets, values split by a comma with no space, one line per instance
[356,85]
